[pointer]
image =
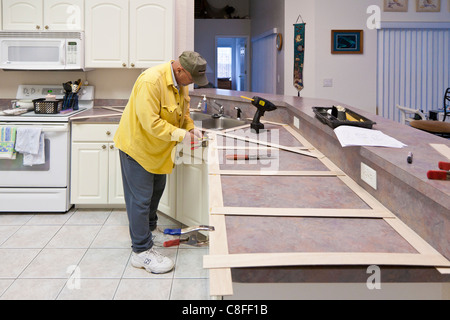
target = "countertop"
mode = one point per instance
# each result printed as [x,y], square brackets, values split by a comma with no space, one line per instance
[422,204]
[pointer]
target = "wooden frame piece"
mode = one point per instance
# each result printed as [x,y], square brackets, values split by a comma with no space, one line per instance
[220,262]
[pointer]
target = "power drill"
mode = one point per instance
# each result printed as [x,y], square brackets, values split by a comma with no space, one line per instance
[262,105]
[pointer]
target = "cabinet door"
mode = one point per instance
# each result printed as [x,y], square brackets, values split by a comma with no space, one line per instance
[89,173]
[106,25]
[192,194]
[62,15]
[22,15]
[115,193]
[151,32]
[168,202]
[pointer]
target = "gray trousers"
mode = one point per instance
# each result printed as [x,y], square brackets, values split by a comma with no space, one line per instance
[142,191]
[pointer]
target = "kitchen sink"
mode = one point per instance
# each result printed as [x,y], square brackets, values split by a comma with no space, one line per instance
[211,123]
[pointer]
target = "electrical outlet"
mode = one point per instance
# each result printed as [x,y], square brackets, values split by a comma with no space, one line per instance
[368,175]
[328,83]
[296,123]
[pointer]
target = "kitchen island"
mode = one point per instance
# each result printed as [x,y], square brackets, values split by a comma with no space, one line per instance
[312,220]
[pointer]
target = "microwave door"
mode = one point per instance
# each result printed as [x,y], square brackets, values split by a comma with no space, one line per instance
[32,54]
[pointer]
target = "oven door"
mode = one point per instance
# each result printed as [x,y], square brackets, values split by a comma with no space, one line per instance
[53,174]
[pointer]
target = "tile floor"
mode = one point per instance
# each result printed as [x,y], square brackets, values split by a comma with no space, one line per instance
[85,254]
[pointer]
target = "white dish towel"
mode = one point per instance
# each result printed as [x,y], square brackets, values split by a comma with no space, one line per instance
[30,142]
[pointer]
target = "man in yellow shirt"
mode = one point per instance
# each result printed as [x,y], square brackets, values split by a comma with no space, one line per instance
[155,120]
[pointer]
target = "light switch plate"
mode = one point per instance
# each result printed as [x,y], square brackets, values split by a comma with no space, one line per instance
[369,175]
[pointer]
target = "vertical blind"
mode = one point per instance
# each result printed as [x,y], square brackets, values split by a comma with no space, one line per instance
[413,67]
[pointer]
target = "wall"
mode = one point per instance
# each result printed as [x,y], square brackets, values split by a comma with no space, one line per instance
[109,83]
[266,15]
[206,31]
[354,76]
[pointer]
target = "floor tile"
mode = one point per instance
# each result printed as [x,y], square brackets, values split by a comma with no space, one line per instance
[104,263]
[74,237]
[4,285]
[190,289]
[31,237]
[144,289]
[14,219]
[14,261]
[90,289]
[34,289]
[6,232]
[190,263]
[113,237]
[85,255]
[89,217]
[50,219]
[53,263]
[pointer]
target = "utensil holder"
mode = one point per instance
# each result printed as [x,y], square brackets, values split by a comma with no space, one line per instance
[70,101]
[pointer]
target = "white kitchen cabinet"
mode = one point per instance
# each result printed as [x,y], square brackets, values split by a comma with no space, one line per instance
[129,34]
[168,202]
[39,15]
[192,194]
[96,175]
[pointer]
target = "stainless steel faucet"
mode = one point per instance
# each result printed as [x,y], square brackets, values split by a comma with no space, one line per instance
[221,109]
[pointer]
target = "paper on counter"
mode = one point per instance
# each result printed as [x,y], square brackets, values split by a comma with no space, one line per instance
[355,136]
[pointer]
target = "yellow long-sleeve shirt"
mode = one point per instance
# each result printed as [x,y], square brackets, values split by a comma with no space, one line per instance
[155,119]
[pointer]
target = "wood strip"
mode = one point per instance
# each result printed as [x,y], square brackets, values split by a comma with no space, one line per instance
[113,109]
[220,281]
[274,145]
[322,259]
[301,212]
[278,173]
[442,149]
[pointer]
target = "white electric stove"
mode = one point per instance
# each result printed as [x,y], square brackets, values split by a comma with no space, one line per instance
[41,188]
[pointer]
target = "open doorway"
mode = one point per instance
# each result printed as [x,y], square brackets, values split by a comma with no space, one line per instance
[232,61]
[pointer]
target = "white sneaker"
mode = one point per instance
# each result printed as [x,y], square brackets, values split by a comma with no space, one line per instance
[152,261]
[159,237]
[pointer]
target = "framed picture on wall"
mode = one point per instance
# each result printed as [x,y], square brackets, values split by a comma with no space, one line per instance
[395,6]
[428,5]
[347,41]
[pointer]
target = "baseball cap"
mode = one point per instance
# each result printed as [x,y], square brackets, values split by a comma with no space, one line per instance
[195,64]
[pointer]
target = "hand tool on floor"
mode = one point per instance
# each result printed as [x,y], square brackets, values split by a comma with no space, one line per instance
[192,238]
[262,105]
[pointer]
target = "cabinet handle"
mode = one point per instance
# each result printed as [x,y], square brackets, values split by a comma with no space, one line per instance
[104,147]
[132,65]
[38,27]
[46,27]
[111,147]
[108,133]
[124,65]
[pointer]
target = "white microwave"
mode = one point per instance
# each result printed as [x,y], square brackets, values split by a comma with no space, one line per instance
[41,50]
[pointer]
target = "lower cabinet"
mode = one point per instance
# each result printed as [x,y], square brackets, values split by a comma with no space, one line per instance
[96,177]
[192,194]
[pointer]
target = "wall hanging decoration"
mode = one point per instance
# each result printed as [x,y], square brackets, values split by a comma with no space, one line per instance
[428,5]
[299,53]
[347,41]
[395,5]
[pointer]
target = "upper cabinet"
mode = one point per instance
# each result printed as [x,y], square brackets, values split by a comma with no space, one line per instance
[129,34]
[40,15]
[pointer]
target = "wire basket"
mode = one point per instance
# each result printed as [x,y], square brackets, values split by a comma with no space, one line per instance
[42,106]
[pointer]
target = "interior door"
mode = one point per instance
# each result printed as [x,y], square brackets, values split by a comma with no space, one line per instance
[242,53]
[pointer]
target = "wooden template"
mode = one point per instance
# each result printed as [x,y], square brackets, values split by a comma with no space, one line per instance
[220,261]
